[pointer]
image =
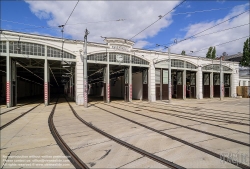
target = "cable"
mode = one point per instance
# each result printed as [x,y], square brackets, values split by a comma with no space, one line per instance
[219,44]
[223,30]
[62,26]
[53,76]
[207,10]
[213,32]
[213,26]
[158,19]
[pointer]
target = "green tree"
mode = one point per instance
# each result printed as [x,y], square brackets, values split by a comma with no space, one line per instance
[213,53]
[245,61]
[208,55]
[183,52]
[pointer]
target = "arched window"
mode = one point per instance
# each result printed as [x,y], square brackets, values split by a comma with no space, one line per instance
[26,48]
[216,67]
[57,53]
[3,46]
[98,57]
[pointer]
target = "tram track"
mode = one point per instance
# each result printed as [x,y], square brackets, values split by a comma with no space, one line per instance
[183,117]
[125,144]
[201,109]
[219,156]
[179,125]
[226,112]
[19,106]
[208,116]
[74,159]
[18,117]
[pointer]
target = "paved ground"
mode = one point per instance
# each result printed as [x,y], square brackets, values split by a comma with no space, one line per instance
[225,123]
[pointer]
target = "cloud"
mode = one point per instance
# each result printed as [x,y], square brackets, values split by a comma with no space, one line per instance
[141,44]
[138,15]
[202,42]
[188,15]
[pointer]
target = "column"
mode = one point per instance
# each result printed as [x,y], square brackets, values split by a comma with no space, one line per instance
[199,94]
[151,84]
[211,85]
[79,81]
[184,75]
[107,84]
[11,81]
[46,80]
[232,84]
[130,83]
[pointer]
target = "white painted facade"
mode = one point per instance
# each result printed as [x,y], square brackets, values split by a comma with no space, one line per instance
[156,59]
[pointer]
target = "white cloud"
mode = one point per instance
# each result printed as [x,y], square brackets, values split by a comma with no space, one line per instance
[188,15]
[138,15]
[141,44]
[196,44]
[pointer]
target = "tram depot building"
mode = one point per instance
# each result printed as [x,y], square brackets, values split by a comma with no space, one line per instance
[34,65]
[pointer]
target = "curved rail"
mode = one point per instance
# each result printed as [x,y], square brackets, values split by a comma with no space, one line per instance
[10,122]
[18,107]
[238,164]
[123,143]
[186,117]
[74,159]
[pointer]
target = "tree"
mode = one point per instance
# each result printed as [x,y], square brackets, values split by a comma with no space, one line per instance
[183,52]
[213,53]
[245,61]
[209,52]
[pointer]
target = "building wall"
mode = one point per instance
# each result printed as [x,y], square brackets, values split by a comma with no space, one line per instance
[152,56]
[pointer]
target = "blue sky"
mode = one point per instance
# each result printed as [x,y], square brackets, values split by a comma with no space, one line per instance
[137,16]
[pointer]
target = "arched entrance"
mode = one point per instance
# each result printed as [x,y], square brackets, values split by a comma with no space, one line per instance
[117,76]
[183,79]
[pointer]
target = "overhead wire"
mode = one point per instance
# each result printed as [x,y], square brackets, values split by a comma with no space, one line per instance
[206,10]
[212,26]
[219,44]
[193,36]
[214,32]
[160,17]
[62,26]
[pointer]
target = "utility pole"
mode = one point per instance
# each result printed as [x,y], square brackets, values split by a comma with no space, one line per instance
[85,71]
[169,77]
[221,81]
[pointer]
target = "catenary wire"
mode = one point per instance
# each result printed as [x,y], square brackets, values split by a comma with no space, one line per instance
[212,27]
[157,19]
[206,10]
[219,44]
[214,32]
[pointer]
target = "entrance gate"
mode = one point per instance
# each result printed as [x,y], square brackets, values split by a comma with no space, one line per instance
[216,85]
[145,84]
[177,84]
[227,85]
[206,85]
[191,85]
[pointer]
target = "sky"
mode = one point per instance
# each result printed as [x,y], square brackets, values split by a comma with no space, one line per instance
[125,19]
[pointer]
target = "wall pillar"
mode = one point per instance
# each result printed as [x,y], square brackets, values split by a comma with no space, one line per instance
[184,75]
[11,83]
[232,85]
[107,84]
[130,83]
[199,94]
[211,85]
[46,83]
[151,83]
[79,81]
